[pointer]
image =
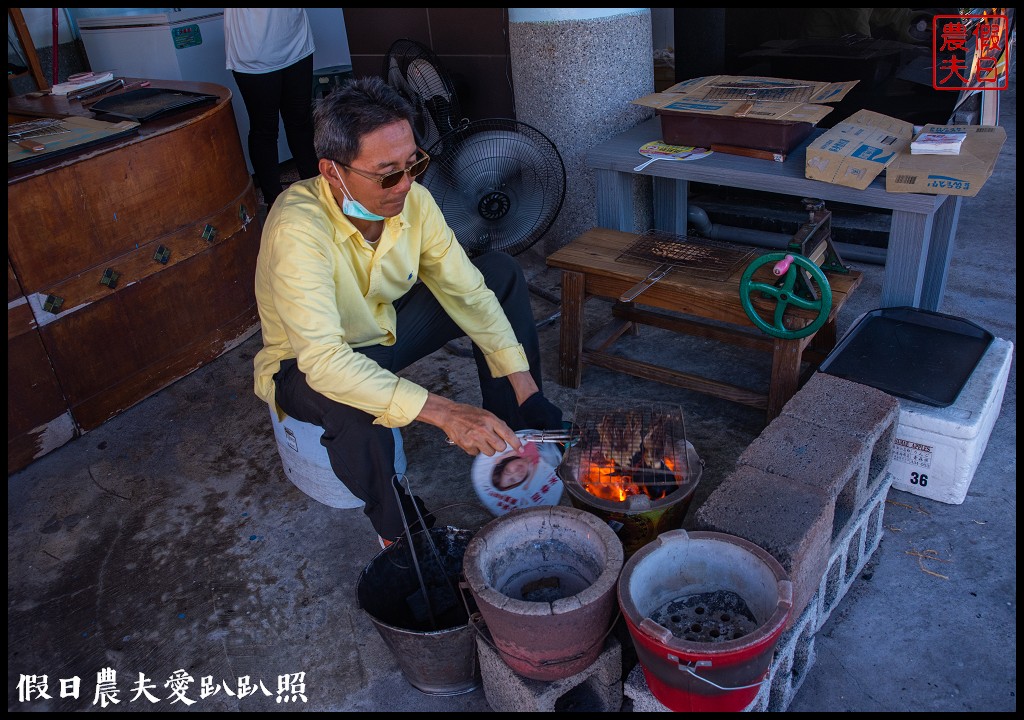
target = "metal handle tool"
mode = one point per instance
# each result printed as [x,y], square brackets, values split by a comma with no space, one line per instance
[549,436]
[543,436]
[655,275]
[98,90]
[32,145]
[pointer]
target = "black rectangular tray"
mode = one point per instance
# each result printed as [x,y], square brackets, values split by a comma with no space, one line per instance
[149,103]
[910,353]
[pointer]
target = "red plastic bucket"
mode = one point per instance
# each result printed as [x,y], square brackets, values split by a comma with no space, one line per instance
[705,611]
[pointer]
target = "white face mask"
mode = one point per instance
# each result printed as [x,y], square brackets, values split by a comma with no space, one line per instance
[352,207]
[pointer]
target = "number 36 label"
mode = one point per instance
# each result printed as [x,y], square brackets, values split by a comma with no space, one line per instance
[917,464]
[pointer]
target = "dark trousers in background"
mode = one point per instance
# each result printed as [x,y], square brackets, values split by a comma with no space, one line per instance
[363,454]
[287,95]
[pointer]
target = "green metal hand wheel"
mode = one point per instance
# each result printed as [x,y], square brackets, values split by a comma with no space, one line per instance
[787,266]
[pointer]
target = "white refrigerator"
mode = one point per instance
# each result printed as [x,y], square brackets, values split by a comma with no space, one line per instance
[188,44]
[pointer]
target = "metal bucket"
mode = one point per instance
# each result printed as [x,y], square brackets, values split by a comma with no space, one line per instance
[429,634]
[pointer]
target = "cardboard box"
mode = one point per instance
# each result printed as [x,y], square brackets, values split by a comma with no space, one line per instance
[855,151]
[771,114]
[937,450]
[961,174]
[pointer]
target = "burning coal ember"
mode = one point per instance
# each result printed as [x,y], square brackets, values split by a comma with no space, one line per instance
[626,456]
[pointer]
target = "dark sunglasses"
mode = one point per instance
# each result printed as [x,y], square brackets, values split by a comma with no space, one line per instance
[389,180]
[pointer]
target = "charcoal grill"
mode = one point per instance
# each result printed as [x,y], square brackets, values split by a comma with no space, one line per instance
[632,467]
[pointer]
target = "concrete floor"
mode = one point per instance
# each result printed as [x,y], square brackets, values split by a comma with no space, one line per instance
[169,541]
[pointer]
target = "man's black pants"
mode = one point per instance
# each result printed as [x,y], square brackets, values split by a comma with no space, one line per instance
[284,95]
[363,454]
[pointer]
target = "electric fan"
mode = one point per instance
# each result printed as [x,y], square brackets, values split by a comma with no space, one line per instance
[499,182]
[418,75]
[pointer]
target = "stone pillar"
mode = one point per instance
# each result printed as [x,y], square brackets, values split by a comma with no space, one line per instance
[575,72]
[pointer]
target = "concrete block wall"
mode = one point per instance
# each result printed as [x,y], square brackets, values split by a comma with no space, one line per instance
[852,551]
[826,453]
[811,491]
[853,409]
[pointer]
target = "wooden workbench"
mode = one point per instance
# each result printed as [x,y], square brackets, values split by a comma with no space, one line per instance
[686,303]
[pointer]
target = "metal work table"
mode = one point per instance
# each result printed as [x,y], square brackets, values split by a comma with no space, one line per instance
[920,236]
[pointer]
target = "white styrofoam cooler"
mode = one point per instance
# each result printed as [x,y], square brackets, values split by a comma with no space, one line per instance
[938,449]
[308,466]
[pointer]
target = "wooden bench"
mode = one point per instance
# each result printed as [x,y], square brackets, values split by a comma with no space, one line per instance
[686,302]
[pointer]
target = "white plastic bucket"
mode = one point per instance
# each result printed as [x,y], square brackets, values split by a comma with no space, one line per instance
[308,466]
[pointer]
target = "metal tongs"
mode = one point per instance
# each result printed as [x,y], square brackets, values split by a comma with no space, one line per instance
[562,437]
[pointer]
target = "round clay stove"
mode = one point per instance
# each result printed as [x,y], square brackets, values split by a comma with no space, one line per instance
[544,580]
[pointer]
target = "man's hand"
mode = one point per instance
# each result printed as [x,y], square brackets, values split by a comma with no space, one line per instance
[473,429]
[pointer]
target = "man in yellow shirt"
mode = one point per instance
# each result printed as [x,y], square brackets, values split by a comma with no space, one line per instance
[342,311]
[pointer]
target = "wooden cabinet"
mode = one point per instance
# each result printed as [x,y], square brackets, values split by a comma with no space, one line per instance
[130,264]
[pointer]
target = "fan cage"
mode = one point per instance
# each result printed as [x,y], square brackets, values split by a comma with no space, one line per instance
[418,75]
[499,182]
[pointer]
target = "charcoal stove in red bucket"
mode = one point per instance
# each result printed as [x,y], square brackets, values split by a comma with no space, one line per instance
[632,467]
[705,611]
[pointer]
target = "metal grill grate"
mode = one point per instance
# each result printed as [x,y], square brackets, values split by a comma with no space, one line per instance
[625,451]
[35,128]
[708,258]
[763,91]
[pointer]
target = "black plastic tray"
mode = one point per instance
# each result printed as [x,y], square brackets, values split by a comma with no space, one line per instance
[149,103]
[910,353]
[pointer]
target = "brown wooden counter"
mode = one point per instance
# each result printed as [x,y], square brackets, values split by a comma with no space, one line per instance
[130,264]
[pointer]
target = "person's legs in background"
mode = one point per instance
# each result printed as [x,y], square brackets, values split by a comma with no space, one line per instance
[261,94]
[297,114]
[504,276]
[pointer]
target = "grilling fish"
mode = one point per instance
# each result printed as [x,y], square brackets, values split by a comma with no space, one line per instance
[621,438]
[656,443]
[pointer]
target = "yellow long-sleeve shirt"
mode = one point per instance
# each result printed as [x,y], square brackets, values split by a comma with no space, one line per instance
[321,291]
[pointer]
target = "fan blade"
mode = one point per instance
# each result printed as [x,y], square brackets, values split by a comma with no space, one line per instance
[498,188]
[426,80]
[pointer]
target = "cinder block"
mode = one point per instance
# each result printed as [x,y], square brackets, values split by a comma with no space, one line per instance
[790,520]
[852,552]
[835,462]
[598,688]
[937,449]
[794,656]
[636,689]
[851,408]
